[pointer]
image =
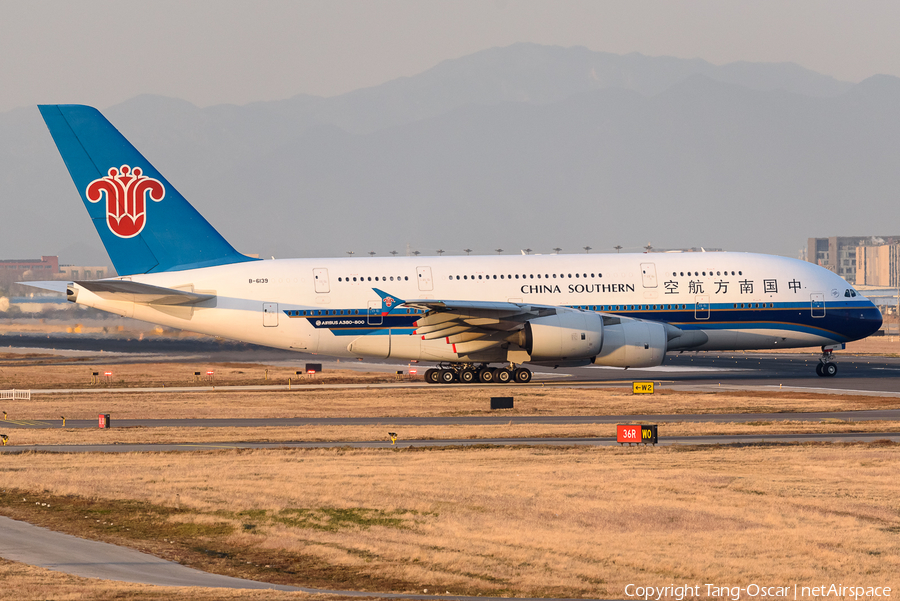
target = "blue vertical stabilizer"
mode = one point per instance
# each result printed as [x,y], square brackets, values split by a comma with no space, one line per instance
[144,223]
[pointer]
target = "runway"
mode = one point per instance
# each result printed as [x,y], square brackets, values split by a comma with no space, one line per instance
[794,371]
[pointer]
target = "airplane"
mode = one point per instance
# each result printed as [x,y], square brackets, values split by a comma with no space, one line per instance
[461,313]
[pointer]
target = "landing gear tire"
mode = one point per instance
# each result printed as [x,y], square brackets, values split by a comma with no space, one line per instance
[432,376]
[467,376]
[486,376]
[829,369]
[502,376]
[448,376]
[522,375]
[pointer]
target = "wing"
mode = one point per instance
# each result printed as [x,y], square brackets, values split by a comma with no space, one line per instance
[473,326]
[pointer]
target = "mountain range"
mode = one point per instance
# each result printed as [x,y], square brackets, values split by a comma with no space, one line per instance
[526,146]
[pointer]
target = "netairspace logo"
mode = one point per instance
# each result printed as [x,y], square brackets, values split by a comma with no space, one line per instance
[755,591]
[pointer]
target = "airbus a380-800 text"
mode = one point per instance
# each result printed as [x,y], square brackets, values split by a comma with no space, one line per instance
[478,318]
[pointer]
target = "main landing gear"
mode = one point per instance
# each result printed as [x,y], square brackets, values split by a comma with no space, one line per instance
[467,373]
[826,368]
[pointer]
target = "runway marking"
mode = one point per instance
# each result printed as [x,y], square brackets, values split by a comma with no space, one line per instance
[25,422]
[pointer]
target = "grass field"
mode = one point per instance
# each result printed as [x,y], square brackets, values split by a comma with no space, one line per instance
[441,401]
[541,521]
[511,521]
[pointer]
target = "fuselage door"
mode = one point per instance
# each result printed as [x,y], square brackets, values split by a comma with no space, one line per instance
[423,274]
[270,315]
[701,306]
[648,274]
[374,313]
[321,278]
[817,304]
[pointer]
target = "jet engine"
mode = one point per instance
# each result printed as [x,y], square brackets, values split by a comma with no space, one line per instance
[569,334]
[632,343]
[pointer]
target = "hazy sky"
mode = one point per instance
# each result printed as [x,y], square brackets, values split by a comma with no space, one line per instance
[233,51]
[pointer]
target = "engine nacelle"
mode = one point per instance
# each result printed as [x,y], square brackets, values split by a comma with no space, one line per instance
[632,343]
[570,334]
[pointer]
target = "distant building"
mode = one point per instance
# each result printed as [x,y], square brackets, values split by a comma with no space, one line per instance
[17,270]
[878,265]
[45,268]
[83,272]
[839,253]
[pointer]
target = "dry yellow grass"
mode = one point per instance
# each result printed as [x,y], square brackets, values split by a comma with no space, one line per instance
[47,370]
[400,402]
[61,436]
[545,521]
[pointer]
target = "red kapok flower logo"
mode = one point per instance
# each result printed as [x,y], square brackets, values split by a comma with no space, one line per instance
[126,192]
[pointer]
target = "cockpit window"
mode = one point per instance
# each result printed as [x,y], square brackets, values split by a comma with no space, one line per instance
[850,292]
[847,293]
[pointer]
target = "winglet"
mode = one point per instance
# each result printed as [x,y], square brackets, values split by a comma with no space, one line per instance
[388,301]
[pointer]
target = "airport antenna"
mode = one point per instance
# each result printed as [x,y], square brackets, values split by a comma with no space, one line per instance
[498,250]
[648,248]
[557,250]
[371,253]
[618,248]
[394,252]
[587,249]
[440,252]
[351,253]
[467,251]
[416,253]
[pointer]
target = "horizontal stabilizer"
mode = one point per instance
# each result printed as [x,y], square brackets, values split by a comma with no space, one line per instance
[125,290]
[52,285]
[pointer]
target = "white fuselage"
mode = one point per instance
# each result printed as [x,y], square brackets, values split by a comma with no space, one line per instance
[740,300]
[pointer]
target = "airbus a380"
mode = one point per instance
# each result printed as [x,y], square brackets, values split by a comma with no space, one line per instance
[463,313]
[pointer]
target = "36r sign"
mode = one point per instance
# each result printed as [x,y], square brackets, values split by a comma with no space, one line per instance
[636,434]
[628,433]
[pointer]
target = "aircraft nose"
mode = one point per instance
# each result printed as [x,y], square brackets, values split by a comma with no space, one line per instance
[872,319]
